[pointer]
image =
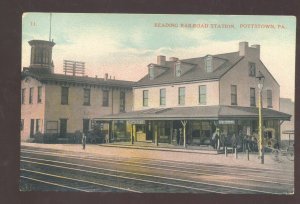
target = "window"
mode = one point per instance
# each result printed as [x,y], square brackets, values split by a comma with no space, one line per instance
[86,125]
[151,72]
[269,98]
[31,128]
[145,98]
[39,98]
[23,96]
[64,95]
[122,101]
[105,101]
[86,97]
[177,69]
[202,94]
[37,125]
[208,63]
[252,97]
[181,95]
[63,127]
[252,69]
[233,95]
[22,124]
[162,97]
[30,95]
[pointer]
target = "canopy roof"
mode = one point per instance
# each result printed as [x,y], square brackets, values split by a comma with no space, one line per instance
[198,113]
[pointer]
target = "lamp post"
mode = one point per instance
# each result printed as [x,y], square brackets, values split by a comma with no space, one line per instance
[260,78]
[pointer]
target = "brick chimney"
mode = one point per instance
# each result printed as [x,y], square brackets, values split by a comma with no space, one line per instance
[161,60]
[243,47]
[253,51]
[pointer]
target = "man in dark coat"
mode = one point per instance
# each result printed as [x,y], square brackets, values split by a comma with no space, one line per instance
[83,140]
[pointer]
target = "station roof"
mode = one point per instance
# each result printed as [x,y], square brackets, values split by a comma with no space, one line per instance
[43,76]
[198,113]
[197,72]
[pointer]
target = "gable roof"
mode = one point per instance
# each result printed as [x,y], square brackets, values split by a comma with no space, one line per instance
[50,77]
[197,73]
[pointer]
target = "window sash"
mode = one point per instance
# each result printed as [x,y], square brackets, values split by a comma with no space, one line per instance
[162,97]
[105,101]
[269,98]
[86,96]
[39,99]
[177,70]
[208,64]
[64,95]
[30,95]
[23,96]
[145,98]
[37,125]
[252,97]
[151,73]
[233,95]
[252,69]
[122,101]
[202,94]
[181,95]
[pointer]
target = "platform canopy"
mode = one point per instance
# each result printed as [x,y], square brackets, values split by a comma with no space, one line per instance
[198,113]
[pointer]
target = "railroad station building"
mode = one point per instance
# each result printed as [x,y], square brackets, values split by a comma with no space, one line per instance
[184,101]
[62,104]
[178,102]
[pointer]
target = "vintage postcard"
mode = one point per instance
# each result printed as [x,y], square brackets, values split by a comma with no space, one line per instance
[157,103]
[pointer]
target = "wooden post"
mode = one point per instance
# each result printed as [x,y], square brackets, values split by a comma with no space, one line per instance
[235,152]
[109,132]
[247,151]
[225,151]
[184,122]
[156,135]
[132,134]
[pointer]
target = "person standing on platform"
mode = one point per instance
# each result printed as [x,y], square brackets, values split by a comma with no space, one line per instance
[83,140]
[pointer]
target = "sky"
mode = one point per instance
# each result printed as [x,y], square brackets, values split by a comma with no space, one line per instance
[122,45]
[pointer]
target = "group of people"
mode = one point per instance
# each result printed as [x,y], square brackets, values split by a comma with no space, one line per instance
[219,140]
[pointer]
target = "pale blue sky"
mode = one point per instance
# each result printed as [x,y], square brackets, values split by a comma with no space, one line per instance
[124,44]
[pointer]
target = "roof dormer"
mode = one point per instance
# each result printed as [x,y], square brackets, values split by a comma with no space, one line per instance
[208,63]
[155,70]
[178,70]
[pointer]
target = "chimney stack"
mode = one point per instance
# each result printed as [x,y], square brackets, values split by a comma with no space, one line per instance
[161,60]
[256,50]
[243,47]
[253,51]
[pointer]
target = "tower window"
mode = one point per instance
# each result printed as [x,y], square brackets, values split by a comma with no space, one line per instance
[177,69]
[151,72]
[208,63]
